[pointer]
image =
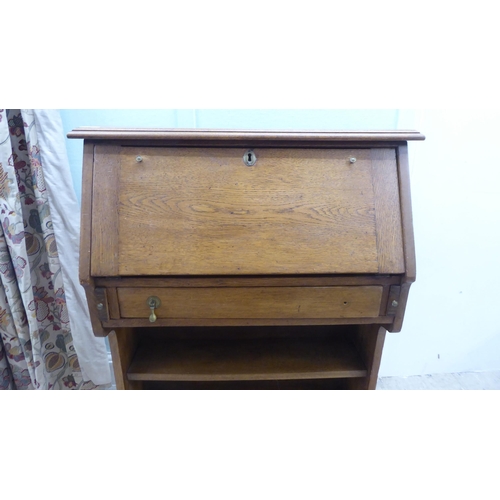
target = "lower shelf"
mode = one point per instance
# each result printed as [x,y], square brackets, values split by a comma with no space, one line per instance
[253,385]
[259,359]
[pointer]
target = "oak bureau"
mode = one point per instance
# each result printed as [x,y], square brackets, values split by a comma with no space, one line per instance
[246,259]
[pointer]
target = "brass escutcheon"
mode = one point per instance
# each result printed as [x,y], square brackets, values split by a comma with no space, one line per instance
[249,158]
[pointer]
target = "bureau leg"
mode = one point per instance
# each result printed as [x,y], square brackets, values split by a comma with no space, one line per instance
[123,343]
[369,342]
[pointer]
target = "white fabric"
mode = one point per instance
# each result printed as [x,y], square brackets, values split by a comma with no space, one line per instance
[65,212]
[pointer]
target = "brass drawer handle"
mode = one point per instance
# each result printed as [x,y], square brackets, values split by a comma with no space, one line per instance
[153,303]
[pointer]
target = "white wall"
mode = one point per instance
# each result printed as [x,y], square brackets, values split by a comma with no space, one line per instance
[450,323]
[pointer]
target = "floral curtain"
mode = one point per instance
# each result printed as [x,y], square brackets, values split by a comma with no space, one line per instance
[37,348]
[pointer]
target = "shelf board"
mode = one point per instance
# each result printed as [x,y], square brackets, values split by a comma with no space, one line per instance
[246,359]
[252,385]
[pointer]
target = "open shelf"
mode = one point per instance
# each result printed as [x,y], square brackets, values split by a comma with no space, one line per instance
[245,359]
[238,385]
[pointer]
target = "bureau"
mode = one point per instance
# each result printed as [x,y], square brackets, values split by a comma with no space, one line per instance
[245,259]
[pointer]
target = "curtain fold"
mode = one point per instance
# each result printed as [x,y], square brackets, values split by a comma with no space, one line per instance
[46,341]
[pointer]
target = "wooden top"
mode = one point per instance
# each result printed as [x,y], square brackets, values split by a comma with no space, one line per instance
[272,136]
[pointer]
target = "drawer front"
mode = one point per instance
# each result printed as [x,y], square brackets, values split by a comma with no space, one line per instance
[203,211]
[253,303]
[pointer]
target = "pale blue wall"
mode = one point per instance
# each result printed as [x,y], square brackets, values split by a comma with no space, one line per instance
[298,119]
[73,118]
[301,119]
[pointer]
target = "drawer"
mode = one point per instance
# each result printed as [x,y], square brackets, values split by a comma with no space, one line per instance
[254,302]
[160,211]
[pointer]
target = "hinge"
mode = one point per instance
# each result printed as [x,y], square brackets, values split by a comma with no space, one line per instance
[101,301]
[393,300]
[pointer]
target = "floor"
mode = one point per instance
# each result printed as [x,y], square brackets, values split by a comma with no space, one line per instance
[443,381]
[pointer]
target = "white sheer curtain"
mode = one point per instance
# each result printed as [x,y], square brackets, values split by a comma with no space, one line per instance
[91,350]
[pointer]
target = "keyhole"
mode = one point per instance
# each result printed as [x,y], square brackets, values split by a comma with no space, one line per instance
[249,158]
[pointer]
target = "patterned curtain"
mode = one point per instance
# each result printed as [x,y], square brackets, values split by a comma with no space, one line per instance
[36,343]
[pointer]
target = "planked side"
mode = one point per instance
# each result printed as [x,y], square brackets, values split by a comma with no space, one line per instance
[387,211]
[106,187]
[86,238]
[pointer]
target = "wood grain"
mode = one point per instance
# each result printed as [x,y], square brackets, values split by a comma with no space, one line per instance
[269,302]
[224,322]
[394,298]
[106,188]
[187,135]
[255,143]
[374,345]
[383,300]
[406,215]
[400,311]
[247,281]
[123,344]
[114,306]
[387,211]
[369,341]
[304,237]
[295,211]
[267,359]
[86,239]
[102,303]
[86,213]
[408,238]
